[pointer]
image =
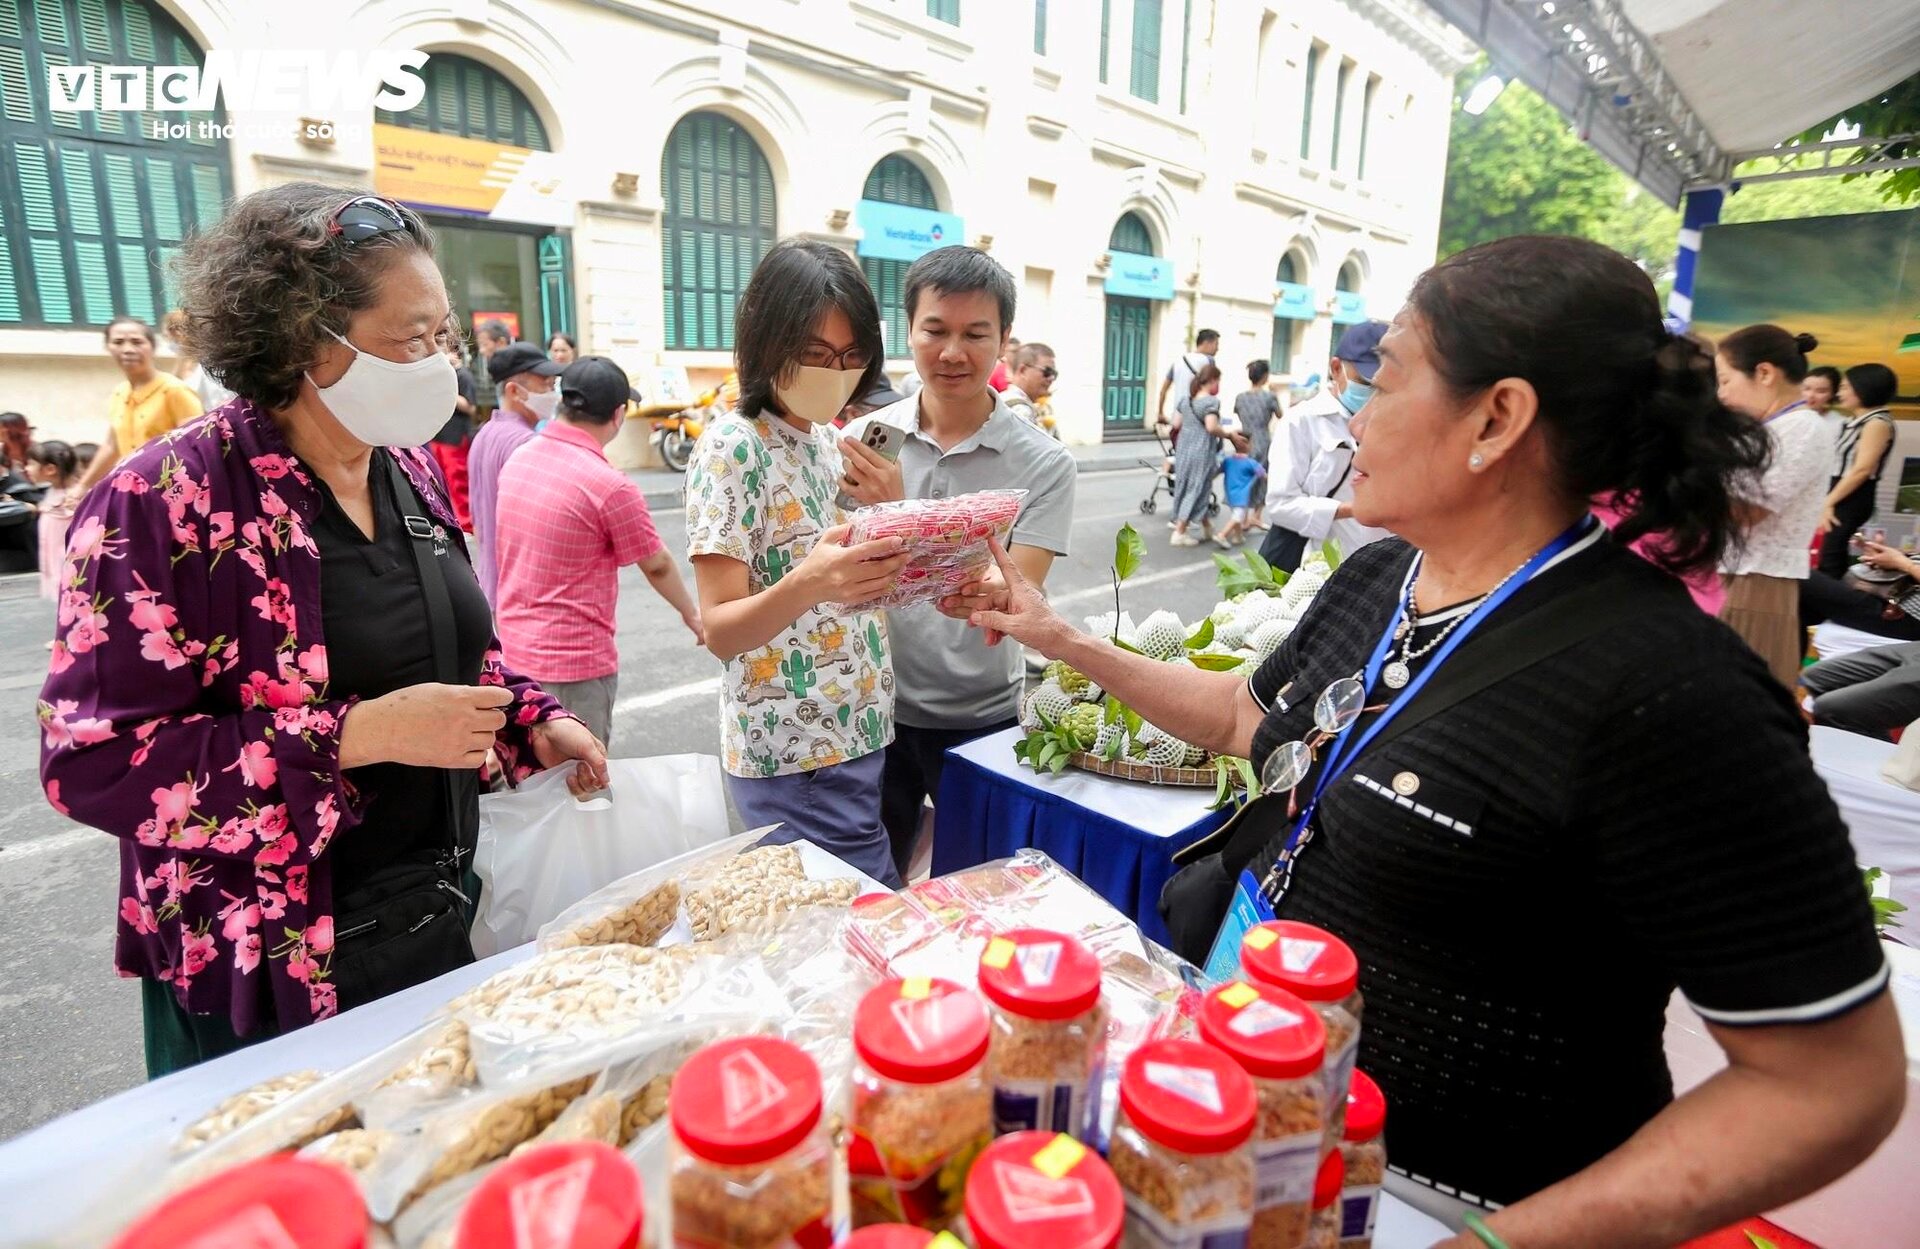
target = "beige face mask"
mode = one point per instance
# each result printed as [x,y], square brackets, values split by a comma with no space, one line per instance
[818,395]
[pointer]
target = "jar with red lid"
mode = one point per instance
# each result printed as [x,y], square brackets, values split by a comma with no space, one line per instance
[308,1205]
[1049,1032]
[922,1109]
[1321,970]
[1043,1190]
[752,1162]
[1365,1152]
[1180,1147]
[888,1236]
[1279,1042]
[586,1187]
[1324,1233]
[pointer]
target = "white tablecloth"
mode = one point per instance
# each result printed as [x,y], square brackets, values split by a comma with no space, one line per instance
[1161,810]
[1830,640]
[1878,1205]
[1883,818]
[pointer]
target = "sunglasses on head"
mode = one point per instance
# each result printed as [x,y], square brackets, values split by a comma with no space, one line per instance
[361,219]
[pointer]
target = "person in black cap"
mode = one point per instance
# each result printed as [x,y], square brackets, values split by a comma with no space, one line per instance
[1310,486]
[524,378]
[568,522]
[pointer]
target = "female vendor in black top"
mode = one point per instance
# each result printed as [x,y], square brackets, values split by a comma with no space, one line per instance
[1634,813]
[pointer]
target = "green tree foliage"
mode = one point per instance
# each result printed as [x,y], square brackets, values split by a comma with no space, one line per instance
[1894,111]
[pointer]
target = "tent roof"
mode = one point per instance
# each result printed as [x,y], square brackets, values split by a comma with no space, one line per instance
[1675,91]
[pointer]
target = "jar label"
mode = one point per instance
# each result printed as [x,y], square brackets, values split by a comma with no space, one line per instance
[1038,962]
[1338,1073]
[1045,1105]
[1284,1169]
[1358,1206]
[1032,1197]
[1196,1084]
[1261,1018]
[1148,1228]
[1299,954]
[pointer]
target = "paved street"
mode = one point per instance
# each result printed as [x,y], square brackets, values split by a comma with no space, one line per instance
[70,1029]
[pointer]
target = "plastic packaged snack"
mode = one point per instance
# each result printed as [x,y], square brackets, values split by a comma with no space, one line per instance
[249,1104]
[1179,1147]
[583,1195]
[752,1164]
[309,1205]
[355,1150]
[922,1110]
[474,1131]
[752,890]
[1365,1152]
[1043,1190]
[1049,1032]
[428,1066]
[946,541]
[635,904]
[1324,1233]
[1320,969]
[1279,1042]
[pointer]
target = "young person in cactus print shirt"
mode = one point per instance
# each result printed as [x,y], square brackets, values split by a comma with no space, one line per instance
[806,705]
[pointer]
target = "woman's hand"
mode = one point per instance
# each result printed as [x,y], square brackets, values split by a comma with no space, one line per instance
[1016,610]
[869,476]
[1829,521]
[564,738]
[425,726]
[834,573]
[1887,559]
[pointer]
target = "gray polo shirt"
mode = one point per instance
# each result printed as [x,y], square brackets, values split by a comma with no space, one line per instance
[946,676]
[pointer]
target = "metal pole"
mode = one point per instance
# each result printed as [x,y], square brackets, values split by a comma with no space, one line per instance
[1700,209]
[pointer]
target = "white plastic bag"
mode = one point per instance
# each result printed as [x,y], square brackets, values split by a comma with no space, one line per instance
[541,850]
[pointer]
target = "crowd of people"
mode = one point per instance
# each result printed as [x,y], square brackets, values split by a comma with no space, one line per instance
[279,679]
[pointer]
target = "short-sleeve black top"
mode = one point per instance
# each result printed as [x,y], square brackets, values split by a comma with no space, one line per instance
[1562,849]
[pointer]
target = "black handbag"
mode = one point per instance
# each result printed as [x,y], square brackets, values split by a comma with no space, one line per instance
[409,922]
[1195,900]
[1282,547]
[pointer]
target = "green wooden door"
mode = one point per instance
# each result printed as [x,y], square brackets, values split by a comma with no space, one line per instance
[717,227]
[1123,392]
[895,180]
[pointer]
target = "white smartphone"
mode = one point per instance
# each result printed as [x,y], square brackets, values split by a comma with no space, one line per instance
[885,440]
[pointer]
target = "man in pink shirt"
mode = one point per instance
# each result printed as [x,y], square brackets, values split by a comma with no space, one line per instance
[523,381]
[568,520]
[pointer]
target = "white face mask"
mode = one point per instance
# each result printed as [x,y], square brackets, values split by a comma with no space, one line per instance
[543,406]
[817,395]
[385,404]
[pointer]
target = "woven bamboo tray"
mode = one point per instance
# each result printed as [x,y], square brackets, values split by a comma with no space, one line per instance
[1134,770]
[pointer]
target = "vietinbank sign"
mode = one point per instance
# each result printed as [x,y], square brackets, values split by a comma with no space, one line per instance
[896,232]
[247,80]
[1144,277]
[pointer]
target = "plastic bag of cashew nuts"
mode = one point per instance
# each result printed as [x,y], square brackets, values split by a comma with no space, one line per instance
[642,908]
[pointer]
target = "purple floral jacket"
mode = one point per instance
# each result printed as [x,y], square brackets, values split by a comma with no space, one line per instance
[186,712]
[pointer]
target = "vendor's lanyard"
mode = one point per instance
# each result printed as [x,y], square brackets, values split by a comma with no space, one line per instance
[1347,748]
[1797,403]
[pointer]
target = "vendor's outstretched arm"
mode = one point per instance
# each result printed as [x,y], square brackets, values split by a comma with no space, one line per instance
[1799,1106]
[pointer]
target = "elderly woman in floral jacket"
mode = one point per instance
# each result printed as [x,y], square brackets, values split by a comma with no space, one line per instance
[243,686]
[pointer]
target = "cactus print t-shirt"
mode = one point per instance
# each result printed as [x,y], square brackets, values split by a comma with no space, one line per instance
[821,692]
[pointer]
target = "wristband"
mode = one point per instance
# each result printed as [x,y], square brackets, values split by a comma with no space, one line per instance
[1487,1235]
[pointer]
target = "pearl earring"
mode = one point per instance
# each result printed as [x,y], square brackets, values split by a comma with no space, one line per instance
[1476,460]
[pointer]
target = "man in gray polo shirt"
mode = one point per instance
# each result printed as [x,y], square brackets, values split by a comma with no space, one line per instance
[950,686]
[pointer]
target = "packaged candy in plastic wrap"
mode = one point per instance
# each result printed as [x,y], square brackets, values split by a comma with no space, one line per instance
[946,540]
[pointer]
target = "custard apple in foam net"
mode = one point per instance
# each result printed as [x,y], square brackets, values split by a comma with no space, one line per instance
[1162,636]
[1163,749]
[1108,735]
[1256,609]
[1227,630]
[1267,638]
[1300,591]
[1101,626]
[1047,700]
[1084,722]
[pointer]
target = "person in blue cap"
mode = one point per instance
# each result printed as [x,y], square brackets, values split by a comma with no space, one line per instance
[1309,485]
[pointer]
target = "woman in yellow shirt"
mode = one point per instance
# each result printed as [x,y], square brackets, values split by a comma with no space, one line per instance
[149,403]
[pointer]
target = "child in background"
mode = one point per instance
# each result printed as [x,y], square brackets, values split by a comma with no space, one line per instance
[55,466]
[1242,471]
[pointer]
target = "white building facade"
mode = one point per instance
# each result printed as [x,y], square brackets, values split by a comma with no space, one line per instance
[614,168]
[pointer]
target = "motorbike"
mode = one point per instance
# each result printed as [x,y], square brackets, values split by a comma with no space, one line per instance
[677,426]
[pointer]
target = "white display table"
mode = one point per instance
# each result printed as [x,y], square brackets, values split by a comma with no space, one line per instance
[1883,818]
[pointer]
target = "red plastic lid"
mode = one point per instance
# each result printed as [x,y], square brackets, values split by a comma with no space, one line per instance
[1366,1108]
[1308,962]
[279,1201]
[745,1101]
[889,1236]
[1187,1097]
[1268,1031]
[920,1030]
[1043,1190]
[577,1195]
[1040,974]
[1332,1178]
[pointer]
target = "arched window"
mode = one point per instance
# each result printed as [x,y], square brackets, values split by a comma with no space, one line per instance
[895,180]
[1130,234]
[1280,359]
[473,101]
[93,205]
[1349,308]
[718,224]
[1349,279]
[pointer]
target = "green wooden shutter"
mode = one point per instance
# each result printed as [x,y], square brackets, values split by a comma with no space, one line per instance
[1130,234]
[92,206]
[1306,107]
[556,286]
[1039,27]
[473,101]
[1106,26]
[1341,79]
[1145,80]
[895,180]
[947,11]
[718,225]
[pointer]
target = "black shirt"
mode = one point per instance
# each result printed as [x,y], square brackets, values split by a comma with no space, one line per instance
[1562,849]
[374,617]
[459,426]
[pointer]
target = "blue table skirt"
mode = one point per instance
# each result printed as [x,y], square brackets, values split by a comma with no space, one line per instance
[982,815]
